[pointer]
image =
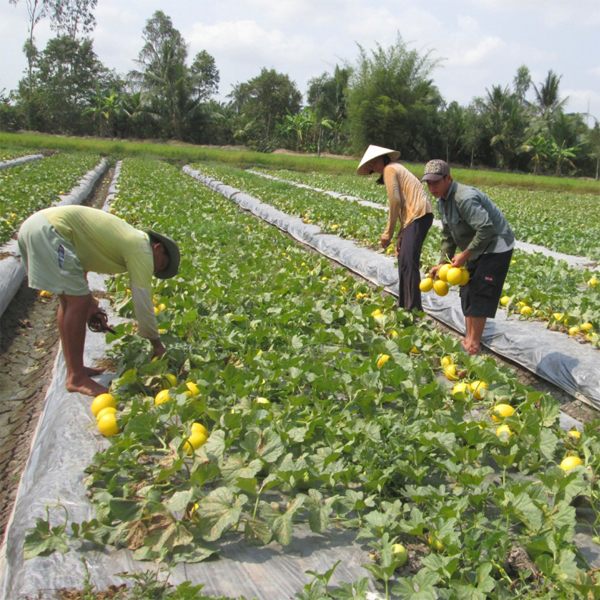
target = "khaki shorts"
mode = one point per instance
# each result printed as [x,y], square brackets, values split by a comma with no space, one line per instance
[51,262]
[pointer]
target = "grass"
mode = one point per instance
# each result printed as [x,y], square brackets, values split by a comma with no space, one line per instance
[241,158]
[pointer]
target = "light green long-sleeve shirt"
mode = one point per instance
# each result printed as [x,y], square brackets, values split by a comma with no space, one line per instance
[107,244]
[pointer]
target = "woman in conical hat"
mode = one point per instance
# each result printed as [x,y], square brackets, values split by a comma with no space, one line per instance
[411,206]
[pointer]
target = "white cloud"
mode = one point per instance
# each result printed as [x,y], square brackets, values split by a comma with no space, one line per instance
[582,101]
[248,41]
[480,43]
[478,54]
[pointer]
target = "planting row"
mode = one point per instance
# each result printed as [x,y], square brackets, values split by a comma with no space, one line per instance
[13,153]
[537,287]
[318,402]
[36,185]
[562,221]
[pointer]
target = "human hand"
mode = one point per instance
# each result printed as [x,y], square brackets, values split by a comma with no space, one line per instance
[434,271]
[385,241]
[98,322]
[459,260]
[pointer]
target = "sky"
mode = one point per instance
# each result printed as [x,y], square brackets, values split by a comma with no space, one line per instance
[477,43]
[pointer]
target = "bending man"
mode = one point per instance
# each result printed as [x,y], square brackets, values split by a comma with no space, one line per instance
[473,223]
[59,245]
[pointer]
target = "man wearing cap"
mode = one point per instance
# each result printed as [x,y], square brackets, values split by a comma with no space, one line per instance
[410,204]
[475,225]
[60,245]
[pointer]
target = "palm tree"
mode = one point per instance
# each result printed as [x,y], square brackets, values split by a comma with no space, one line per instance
[138,110]
[506,124]
[547,99]
[593,141]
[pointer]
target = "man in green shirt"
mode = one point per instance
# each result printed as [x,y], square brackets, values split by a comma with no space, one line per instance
[472,223]
[60,245]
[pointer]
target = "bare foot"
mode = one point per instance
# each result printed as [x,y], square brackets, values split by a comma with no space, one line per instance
[92,371]
[471,349]
[85,385]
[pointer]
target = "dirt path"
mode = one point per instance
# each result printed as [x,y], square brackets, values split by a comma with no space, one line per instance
[28,347]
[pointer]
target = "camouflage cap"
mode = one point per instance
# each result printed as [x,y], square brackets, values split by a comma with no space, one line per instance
[435,170]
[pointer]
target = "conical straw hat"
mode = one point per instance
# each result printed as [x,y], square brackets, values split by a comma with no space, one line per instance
[374,152]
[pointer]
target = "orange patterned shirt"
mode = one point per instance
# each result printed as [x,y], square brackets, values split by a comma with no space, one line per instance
[407,198]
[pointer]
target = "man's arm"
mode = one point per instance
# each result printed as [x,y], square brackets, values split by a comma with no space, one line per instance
[448,247]
[478,218]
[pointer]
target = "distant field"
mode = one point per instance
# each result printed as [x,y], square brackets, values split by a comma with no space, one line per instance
[189,153]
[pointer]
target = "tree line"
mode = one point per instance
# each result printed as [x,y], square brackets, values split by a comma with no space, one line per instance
[386,97]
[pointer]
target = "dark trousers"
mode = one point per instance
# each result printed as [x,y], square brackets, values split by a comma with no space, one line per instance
[409,258]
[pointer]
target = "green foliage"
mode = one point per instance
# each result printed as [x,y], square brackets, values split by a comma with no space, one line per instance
[172,91]
[547,286]
[30,187]
[384,450]
[63,77]
[261,104]
[391,101]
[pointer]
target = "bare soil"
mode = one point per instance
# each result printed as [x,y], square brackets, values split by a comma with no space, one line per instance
[28,347]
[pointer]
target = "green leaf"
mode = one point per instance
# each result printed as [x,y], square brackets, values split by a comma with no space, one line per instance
[549,410]
[526,510]
[43,540]
[215,446]
[125,510]
[179,500]
[268,445]
[419,587]
[257,532]
[236,467]
[566,569]
[127,378]
[319,511]
[415,524]
[142,425]
[548,443]
[219,511]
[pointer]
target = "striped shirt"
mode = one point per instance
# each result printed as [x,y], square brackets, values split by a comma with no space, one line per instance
[407,198]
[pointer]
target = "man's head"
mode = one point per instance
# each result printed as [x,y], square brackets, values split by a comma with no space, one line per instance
[165,252]
[437,177]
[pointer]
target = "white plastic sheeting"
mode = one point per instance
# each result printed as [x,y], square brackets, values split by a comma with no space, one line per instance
[557,358]
[12,271]
[64,445]
[580,262]
[66,440]
[15,162]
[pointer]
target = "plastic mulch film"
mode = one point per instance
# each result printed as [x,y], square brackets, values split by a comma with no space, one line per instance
[12,271]
[557,358]
[15,162]
[64,444]
[580,262]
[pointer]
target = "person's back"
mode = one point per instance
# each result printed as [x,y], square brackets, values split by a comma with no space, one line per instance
[104,243]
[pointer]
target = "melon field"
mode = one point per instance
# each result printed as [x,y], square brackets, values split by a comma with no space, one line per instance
[296,399]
